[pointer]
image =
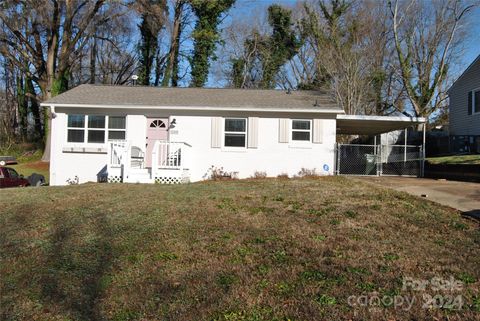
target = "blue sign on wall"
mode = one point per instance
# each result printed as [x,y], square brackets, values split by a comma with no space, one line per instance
[325,167]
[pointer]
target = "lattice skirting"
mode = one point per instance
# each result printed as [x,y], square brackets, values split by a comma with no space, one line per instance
[115,179]
[170,180]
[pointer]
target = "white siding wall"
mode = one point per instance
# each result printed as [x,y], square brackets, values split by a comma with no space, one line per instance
[460,122]
[86,166]
[270,156]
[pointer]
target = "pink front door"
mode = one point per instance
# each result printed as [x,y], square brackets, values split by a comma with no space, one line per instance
[157,129]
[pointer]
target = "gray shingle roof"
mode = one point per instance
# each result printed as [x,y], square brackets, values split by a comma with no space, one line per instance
[100,95]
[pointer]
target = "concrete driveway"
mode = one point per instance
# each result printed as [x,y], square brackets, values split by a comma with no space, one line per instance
[460,195]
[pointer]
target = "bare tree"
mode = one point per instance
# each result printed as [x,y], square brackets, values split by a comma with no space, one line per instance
[110,56]
[49,36]
[426,35]
[336,34]
[235,56]
[8,105]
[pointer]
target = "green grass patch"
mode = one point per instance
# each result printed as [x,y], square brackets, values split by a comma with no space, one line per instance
[457,159]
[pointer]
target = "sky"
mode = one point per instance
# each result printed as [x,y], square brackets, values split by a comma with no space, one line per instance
[472,49]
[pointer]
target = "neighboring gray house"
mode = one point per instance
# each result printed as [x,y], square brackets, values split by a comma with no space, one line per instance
[465,102]
[464,108]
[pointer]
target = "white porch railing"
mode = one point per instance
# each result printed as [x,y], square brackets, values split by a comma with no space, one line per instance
[165,156]
[169,155]
[118,152]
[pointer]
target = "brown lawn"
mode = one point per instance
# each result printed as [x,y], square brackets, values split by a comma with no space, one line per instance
[236,250]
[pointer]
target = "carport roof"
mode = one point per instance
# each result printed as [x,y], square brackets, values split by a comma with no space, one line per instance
[374,125]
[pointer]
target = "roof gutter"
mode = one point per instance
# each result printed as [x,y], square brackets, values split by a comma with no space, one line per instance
[197,108]
[419,120]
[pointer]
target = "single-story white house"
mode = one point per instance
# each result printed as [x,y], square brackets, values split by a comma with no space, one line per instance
[172,135]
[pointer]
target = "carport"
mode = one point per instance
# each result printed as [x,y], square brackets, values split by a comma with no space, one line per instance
[380,158]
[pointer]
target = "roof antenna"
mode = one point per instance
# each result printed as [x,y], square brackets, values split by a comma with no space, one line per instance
[289,91]
[316,103]
[134,79]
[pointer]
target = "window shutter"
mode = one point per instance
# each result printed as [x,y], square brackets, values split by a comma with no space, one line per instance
[470,102]
[318,131]
[283,132]
[216,132]
[252,132]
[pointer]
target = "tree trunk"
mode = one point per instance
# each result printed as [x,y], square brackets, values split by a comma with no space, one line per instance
[93,60]
[22,104]
[171,71]
[175,65]
[34,107]
[159,70]
[47,90]
[59,85]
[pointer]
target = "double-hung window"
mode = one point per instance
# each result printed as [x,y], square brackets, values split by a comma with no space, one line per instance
[235,132]
[476,101]
[116,127]
[76,129]
[301,130]
[95,129]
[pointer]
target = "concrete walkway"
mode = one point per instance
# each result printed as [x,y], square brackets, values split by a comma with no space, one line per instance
[460,195]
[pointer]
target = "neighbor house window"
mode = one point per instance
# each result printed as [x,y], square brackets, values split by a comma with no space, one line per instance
[301,130]
[95,128]
[476,101]
[235,132]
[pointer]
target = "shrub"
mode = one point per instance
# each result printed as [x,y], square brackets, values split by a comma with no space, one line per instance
[305,172]
[218,173]
[259,175]
[283,176]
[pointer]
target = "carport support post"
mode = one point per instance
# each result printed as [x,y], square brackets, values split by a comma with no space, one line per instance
[405,146]
[423,147]
[375,151]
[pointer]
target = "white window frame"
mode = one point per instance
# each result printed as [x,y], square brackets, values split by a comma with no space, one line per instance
[85,129]
[295,141]
[107,123]
[224,133]
[473,101]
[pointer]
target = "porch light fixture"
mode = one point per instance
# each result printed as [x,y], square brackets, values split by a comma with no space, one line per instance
[172,123]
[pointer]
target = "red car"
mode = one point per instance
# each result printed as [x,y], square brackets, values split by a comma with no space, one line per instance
[10,178]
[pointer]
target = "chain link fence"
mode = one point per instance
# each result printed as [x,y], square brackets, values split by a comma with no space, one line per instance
[401,160]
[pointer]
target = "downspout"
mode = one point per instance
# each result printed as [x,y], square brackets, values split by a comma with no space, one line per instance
[53,146]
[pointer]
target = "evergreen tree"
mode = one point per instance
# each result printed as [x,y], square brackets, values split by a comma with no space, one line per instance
[205,36]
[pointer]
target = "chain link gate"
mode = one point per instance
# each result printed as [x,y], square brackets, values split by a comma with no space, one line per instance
[378,160]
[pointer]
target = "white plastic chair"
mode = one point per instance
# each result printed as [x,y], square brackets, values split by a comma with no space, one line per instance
[138,157]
